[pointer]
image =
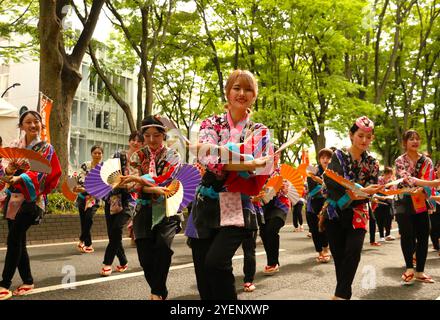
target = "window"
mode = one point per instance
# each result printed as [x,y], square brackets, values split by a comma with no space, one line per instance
[74,120]
[83,114]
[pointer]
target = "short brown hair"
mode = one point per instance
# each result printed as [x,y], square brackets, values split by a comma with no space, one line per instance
[387,170]
[325,152]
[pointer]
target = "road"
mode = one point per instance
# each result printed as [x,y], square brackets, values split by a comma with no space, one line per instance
[58,266]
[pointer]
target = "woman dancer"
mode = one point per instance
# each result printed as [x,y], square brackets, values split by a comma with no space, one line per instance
[348,218]
[86,203]
[153,231]
[412,209]
[119,207]
[26,201]
[222,212]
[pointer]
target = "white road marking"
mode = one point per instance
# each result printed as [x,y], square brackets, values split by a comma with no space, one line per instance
[119,277]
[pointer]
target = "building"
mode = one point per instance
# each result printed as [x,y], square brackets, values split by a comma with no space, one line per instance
[96,117]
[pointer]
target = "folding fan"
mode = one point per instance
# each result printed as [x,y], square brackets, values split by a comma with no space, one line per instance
[111,172]
[174,197]
[273,185]
[67,188]
[291,141]
[398,191]
[95,185]
[293,176]
[292,194]
[315,178]
[33,160]
[189,176]
[394,183]
[201,168]
[345,183]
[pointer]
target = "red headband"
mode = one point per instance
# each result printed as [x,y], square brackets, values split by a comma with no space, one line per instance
[365,124]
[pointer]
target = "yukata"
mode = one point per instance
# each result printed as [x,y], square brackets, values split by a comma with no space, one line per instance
[25,205]
[412,210]
[223,214]
[87,206]
[315,203]
[275,215]
[119,208]
[348,218]
[153,231]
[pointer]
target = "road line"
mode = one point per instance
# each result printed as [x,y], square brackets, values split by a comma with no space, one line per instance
[73,285]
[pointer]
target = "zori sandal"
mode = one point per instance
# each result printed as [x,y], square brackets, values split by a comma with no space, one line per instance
[23,289]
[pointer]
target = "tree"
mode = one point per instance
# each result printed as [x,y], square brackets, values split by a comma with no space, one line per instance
[60,70]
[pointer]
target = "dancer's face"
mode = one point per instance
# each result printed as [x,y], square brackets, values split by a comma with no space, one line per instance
[31,126]
[361,139]
[413,143]
[241,96]
[135,144]
[97,155]
[154,138]
[324,161]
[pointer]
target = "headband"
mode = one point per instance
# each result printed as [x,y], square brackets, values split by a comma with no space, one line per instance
[365,124]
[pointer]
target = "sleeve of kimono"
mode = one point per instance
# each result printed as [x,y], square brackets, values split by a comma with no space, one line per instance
[34,183]
[401,171]
[82,174]
[209,134]
[336,194]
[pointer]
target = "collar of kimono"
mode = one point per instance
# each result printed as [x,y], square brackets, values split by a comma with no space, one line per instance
[236,129]
[22,143]
[153,155]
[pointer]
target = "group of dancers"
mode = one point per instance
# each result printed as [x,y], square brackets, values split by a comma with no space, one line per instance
[229,206]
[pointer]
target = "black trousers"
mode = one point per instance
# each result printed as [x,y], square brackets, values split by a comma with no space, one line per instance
[435,229]
[86,220]
[297,214]
[16,253]
[249,263]
[115,224]
[213,262]
[372,227]
[269,233]
[414,235]
[319,238]
[384,219]
[346,246]
[155,256]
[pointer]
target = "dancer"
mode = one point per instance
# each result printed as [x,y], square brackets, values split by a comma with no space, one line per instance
[315,202]
[384,208]
[86,203]
[26,202]
[412,209]
[119,207]
[222,212]
[348,218]
[153,231]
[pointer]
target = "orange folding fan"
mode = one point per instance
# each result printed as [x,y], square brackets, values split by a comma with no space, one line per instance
[67,188]
[273,185]
[174,197]
[355,192]
[33,160]
[293,176]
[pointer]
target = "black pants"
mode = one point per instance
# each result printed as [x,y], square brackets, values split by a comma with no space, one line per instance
[414,235]
[384,219]
[155,256]
[372,227]
[269,233]
[213,262]
[297,214]
[115,224]
[435,229]
[16,253]
[319,238]
[249,263]
[346,246]
[86,220]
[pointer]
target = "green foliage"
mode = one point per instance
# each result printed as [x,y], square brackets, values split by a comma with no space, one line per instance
[58,204]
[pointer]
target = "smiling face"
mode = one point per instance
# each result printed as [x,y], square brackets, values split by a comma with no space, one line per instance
[241,91]
[412,144]
[31,125]
[135,143]
[154,138]
[361,139]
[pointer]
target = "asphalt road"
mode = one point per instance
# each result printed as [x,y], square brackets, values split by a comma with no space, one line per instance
[62,273]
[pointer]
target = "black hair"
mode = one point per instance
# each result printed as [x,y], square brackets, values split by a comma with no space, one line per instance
[32,112]
[408,134]
[1,141]
[96,147]
[135,135]
[152,121]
